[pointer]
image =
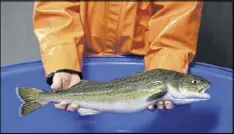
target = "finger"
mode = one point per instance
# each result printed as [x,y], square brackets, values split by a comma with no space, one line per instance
[72,107]
[168,105]
[74,80]
[160,105]
[61,105]
[66,80]
[151,107]
[57,82]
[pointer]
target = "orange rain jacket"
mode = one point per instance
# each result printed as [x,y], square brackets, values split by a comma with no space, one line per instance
[164,32]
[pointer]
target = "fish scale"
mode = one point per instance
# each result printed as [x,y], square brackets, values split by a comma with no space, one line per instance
[127,94]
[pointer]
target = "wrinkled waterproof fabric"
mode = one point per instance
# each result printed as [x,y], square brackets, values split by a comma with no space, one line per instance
[164,32]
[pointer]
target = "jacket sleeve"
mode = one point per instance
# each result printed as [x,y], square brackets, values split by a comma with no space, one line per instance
[173,34]
[58,28]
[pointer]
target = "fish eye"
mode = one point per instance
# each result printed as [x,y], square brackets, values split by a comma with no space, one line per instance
[195,81]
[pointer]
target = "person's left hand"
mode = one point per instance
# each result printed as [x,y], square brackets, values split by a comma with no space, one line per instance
[162,105]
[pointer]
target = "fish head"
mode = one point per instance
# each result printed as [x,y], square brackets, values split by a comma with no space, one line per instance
[187,88]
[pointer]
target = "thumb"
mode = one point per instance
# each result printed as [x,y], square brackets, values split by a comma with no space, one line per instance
[57,82]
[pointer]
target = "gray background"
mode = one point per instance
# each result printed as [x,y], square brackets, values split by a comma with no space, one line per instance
[18,42]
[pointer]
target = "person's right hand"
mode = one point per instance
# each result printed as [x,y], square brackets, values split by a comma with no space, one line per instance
[62,81]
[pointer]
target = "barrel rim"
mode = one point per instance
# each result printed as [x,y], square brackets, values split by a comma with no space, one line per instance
[110,58]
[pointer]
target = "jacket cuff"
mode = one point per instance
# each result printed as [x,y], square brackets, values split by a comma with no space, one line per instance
[49,78]
[178,62]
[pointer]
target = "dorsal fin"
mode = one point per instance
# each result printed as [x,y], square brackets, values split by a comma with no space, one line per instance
[138,73]
[83,81]
[80,83]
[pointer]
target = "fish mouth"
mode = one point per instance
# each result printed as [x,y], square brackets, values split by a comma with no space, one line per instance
[203,90]
[183,94]
[199,95]
[202,93]
[204,96]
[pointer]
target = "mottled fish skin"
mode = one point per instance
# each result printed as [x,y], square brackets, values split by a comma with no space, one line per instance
[140,86]
[129,84]
[128,94]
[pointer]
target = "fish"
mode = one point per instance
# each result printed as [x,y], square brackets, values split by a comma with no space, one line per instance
[132,93]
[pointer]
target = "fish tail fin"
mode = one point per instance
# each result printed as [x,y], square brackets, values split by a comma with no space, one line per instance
[29,107]
[30,98]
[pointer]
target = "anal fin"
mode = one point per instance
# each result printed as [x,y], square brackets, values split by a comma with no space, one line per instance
[86,111]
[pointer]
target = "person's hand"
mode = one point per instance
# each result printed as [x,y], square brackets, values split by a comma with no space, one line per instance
[62,81]
[162,105]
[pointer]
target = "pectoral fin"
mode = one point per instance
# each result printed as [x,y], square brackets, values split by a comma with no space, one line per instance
[86,111]
[161,91]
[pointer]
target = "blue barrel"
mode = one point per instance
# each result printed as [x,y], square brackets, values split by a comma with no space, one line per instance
[214,115]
